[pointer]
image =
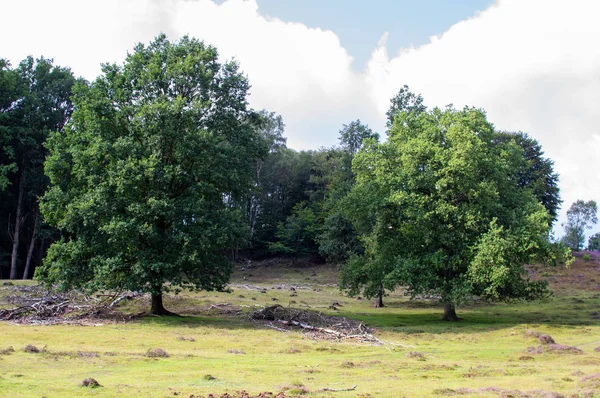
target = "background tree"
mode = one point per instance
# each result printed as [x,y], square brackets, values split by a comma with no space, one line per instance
[594,242]
[404,101]
[10,92]
[272,129]
[537,172]
[440,211]
[37,101]
[580,216]
[352,136]
[147,179]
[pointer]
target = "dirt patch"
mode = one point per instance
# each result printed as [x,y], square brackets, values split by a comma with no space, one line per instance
[449,392]
[554,349]
[541,337]
[419,356]
[591,382]
[156,353]
[244,394]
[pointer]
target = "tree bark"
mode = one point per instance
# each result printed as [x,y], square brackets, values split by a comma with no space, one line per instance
[157,306]
[31,247]
[16,233]
[379,303]
[449,312]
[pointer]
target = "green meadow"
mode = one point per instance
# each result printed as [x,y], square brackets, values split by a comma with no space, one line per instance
[215,347]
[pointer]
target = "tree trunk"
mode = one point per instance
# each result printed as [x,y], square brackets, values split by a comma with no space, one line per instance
[31,247]
[379,303]
[157,305]
[449,312]
[16,233]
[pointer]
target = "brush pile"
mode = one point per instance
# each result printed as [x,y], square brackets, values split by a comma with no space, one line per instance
[317,324]
[38,305]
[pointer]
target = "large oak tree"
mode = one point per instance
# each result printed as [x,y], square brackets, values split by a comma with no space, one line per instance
[440,211]
[147,178]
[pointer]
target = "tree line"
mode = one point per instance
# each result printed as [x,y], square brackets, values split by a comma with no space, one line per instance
[157,175]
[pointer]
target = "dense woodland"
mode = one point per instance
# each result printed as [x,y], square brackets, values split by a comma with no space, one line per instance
[158,171]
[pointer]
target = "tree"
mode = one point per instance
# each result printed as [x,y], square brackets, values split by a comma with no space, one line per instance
[594,242]
[580,216]
[147,177]
[352,136]
[271,129]
[38,102]
[10,90]
[537,172]
[404,101]
[296,236]
[439,210]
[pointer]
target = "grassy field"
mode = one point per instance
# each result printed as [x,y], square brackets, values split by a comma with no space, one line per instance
[215,348]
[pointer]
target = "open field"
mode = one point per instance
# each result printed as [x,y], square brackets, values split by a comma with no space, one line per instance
[215,348]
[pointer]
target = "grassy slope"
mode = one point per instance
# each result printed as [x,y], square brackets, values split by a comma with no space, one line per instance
[488,348]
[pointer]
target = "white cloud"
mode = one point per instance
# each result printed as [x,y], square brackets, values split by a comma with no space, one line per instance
[533,65]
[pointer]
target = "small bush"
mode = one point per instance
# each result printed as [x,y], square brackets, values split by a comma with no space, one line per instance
[90,383]
[209,377]
[586,257]
[546,339]
[30,348]
[156,353]
[416,355]
[7,351]
[525,358]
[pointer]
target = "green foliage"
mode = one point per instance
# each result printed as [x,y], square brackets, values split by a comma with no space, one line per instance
[352,136]
[594,242]
[404,101]
[296,236]
[580,216]
[146,178]
[536,172]
[9,94]
[34,100]
[440,211]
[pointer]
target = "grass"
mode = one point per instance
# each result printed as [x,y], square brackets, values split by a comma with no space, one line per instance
[484,355]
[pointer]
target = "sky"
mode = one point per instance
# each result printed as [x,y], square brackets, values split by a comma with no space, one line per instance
[533,65]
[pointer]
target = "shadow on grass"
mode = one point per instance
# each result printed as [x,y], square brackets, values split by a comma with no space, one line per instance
[426,318]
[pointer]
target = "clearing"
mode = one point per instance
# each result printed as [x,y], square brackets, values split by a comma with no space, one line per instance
[313,341]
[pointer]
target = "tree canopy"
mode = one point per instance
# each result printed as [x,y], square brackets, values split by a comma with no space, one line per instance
[147,177]
[35,99]
[440,211]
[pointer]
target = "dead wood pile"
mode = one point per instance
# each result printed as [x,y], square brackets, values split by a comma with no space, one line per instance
[38,305]
[318,324]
